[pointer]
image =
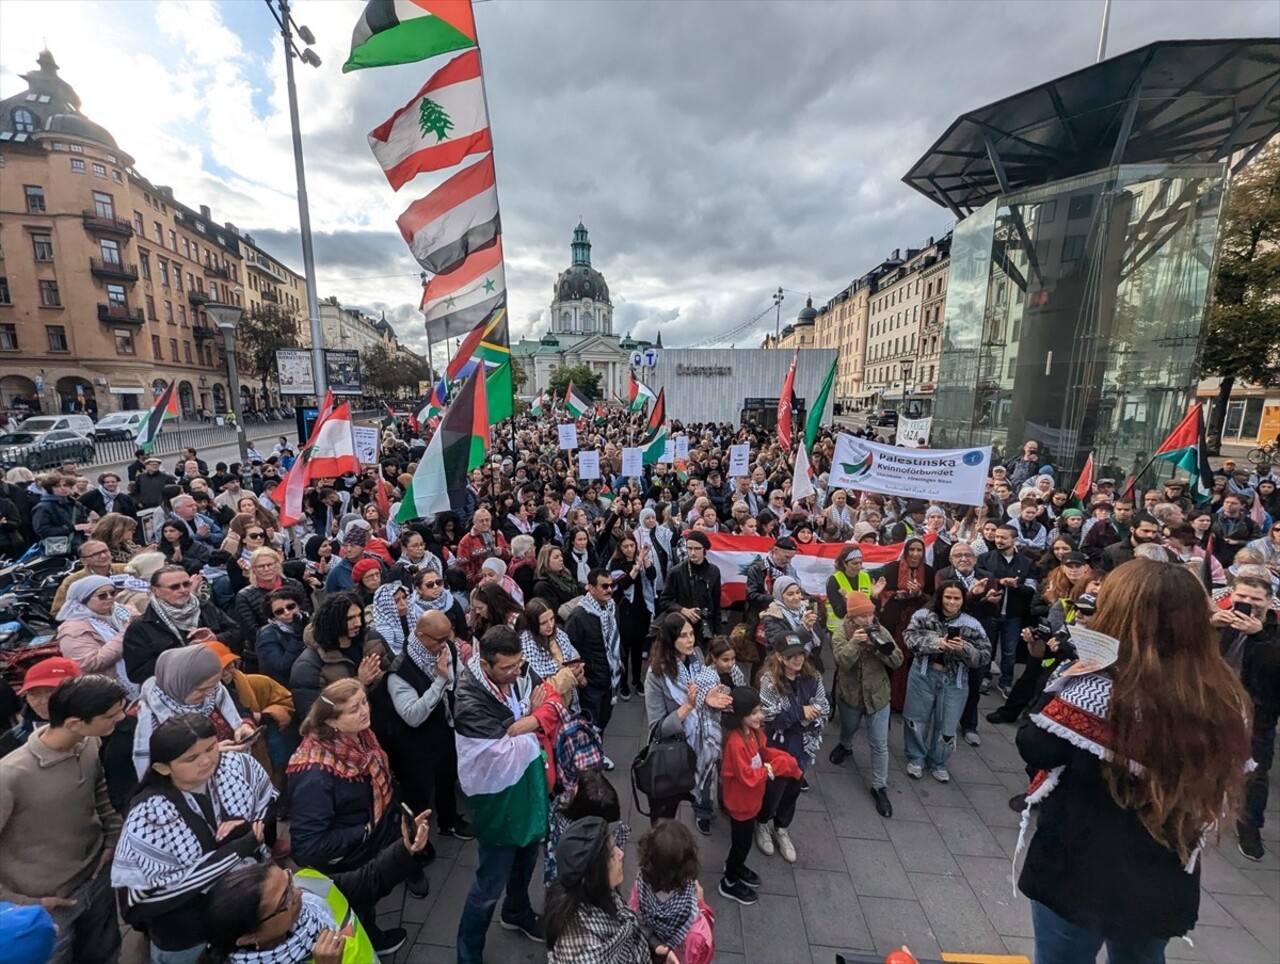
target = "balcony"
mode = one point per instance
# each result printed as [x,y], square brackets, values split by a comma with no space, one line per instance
[115,270]
[93,221]
[269,295]
[214,271]
[268,269]
[203,332]
[198,297]
[119,314]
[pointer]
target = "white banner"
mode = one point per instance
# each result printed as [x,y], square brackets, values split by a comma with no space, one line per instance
[669,452]
[366,439]
[588,464]
[943,475]
[632,462]
[739,460]
[913,433]
[568,435]
[682,446]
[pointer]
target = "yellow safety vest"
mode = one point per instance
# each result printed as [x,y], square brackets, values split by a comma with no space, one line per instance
[864,586]
[358,949]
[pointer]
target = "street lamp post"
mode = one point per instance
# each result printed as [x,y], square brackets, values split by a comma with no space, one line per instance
[226,317]
[906,373]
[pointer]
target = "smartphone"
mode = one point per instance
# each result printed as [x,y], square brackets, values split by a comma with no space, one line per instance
[408,813]
[1243,608]
[574,662]
[245,741]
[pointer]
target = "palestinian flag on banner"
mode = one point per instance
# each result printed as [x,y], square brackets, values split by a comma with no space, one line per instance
[813,422]
[404,31]
[1185,448]
[458,446]
[164,410]
[576,402]
[502,776]
[638,393]
[733,555]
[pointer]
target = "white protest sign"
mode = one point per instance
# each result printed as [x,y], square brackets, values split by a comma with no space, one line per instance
[913,433]
[942,475]
[366,441]
[739,459]
[1096,651]
[632,462]
[682,446]
[588,464]
[568,435]
[670,450]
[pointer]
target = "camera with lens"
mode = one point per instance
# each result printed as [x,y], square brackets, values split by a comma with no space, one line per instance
[705,629]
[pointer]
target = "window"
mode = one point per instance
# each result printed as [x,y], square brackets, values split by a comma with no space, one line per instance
[173,241]
[99,170]
[156,351]
[77,149]
[159,232]
[8,337]
[191,282]
[4,291]
[182,315]
[24,122]
[173,349]
[1080,207]
[186,248]
[49,297]
[168,312]
[144,262]
[42,245]
[1073,247]
[124,342]
[110,251]
[213,290]
[35,198]
[177,276]
[151,307]
[57,335]
[77,165]
[1048,211]
[186,351]
[59,146]
[103,205]
[116,298]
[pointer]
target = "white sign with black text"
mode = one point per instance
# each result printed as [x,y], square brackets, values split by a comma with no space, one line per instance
[568,435]
[739,460]
[588,464]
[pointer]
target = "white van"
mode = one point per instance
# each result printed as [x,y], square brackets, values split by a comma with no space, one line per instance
[81,424]
[119,425]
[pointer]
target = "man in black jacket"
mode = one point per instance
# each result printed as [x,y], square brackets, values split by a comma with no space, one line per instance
[693,588]
[1146,530]
[148,487]
[1009,598]
[174,619]
[593,629]
[108,497]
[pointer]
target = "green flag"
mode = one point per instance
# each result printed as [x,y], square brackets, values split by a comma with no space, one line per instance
[814,421]
[498,393]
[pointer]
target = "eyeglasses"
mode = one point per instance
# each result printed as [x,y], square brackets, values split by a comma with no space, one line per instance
[285,899]
[288,608]
[95,554]
[185,584]
[105,594]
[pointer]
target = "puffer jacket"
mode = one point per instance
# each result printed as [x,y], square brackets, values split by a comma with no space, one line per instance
[316,668]
[862,674]
[926,630]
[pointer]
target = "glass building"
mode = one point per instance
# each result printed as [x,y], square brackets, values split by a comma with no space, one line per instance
[1081,267]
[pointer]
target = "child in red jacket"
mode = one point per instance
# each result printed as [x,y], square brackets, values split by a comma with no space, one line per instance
[749,763]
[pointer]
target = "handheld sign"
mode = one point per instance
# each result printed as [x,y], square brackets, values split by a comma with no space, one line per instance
[568,435]
[632,462]
[739,458]
[588,464]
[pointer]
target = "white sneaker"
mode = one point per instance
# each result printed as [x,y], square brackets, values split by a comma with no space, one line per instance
[608,764]
[915,771]
[764,838]
[785,846]
[941,775]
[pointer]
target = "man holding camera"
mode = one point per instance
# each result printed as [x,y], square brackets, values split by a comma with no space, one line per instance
[693,588]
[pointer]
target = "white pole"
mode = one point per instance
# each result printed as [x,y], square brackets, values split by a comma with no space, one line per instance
[1102,37]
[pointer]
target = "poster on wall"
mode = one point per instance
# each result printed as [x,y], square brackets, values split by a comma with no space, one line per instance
[293,369]
[342,369]
[943,475]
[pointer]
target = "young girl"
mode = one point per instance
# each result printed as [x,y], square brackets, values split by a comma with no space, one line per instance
[667,896]
[721,655]
[750,766]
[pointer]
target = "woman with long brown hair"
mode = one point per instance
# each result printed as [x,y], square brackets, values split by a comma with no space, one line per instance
[1137,763]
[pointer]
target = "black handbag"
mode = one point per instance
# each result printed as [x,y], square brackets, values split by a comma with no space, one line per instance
[665,768]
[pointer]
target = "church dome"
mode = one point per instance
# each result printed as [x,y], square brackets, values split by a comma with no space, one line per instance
[550,340]
[807,314]
[77,125]
[581,282]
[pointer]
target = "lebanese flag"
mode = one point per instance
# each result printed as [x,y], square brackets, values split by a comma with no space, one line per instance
[1084,484]
[288,494]
[784,403]
[733,555]
[333,450]
[455,302]
[458,217]
[440,125]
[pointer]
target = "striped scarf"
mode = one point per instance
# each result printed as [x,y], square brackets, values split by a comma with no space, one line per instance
[352,757]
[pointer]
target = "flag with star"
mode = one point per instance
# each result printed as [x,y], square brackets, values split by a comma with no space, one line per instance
[455,302]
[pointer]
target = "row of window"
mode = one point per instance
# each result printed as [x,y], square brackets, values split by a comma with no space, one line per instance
[56,335]
[56,338]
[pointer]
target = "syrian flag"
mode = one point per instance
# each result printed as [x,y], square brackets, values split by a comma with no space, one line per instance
[164,410]
[458,300]
[576,402]
[457,447]
[733,555]
[1084,484]
[458,217]
[405,31]
[638,394]
[784,403]
[802,481]
[288,494]
[1185,448]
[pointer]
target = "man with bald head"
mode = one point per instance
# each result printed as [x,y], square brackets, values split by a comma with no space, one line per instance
[95,560]
[413,718]
[481,543]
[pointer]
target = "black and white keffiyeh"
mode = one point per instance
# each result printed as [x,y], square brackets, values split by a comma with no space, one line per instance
[608,616]
[670,915]
[298,944]
[179,620]
[596,936]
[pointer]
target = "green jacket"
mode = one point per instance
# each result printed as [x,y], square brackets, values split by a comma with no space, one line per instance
[862,675]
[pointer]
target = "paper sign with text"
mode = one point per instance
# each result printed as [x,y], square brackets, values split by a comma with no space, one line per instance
[682,446]
[588,464]
[739,460]
[568,435]
[632,462]
[366,441]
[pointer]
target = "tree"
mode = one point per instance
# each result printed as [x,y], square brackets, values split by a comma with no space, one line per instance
[384,372]
[258,335]
[1242,338]
[432,119]
[583,378]
[519,377]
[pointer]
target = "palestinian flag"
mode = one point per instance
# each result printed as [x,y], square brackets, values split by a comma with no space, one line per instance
[1185,448]
[576,402]
[458,446]
[638,394]
[602,415]
[435,404]
[164,410]
[405,31]
[814,422]
[653,448]
[539,405]
[502,776]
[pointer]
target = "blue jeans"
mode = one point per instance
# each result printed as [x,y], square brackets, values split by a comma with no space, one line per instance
[1005,632]
[930,714]
[87,931]
[877,738]
[704,796]
[189,955]
[1059,941]
[498,867]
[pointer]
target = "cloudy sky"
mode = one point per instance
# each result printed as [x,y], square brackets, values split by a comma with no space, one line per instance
[716,150]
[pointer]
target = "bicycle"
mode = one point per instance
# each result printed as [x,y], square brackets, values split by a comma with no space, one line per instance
[1265,454]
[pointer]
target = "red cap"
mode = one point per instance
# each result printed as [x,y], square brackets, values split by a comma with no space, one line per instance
[363,568]
[49,672]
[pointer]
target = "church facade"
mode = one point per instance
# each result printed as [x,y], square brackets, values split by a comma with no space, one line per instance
[581,331]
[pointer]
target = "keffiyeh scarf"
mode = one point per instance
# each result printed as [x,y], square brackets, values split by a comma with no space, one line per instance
[701,727]
[298,944]
[391,626]
[354,757]
[671,916]
[608,616]
[596,936]
[179,620]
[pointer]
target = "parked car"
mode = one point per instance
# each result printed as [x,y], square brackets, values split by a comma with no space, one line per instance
[39,424]
[118,425]
[39,451]
[885,418]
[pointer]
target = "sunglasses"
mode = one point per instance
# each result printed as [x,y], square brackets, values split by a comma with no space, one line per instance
[285,610]
[255,535]
[105,594]
[430,585]
[177,585]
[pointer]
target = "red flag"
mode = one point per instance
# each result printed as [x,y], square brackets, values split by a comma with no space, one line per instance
[784,403]
[384,504]
[657,416]
[1185,435]
[288,494]
[1084,484]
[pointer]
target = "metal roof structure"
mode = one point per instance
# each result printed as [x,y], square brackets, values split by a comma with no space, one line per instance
[1172,102]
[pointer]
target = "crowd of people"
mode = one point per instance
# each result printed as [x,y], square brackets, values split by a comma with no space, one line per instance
[252,730]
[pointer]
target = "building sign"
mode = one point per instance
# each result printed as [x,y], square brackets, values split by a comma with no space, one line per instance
[342,368]
[704,369]
[293,369]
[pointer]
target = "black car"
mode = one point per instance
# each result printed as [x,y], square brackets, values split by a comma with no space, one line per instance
[885,418]
[45,450]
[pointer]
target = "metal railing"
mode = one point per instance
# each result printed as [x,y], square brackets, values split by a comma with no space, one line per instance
[113,269]
[104,222]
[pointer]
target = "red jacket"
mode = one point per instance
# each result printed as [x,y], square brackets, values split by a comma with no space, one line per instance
[742,770]
[472,553]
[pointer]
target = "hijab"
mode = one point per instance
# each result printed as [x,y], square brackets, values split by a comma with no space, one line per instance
[179,671]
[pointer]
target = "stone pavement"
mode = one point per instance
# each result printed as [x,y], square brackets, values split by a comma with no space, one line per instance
[935,877]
